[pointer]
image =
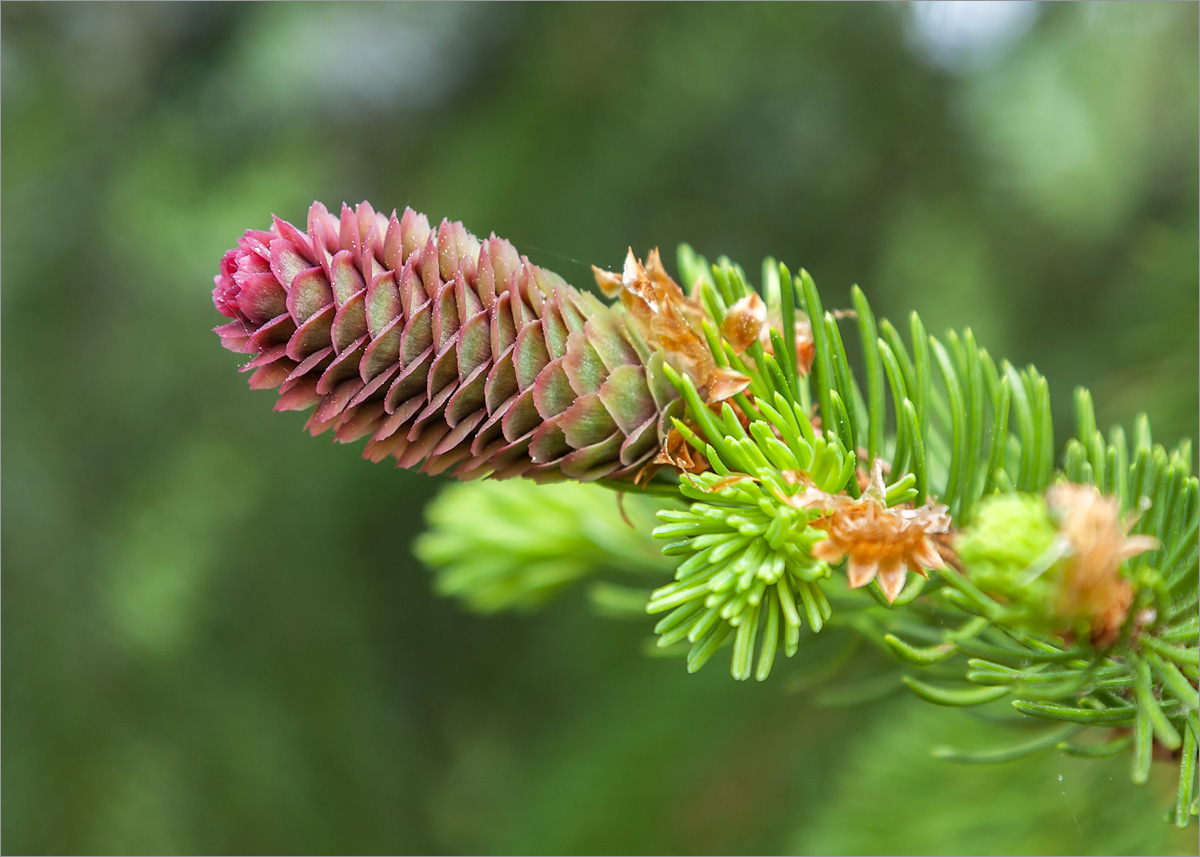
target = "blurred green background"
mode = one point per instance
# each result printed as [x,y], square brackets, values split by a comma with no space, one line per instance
[215,637]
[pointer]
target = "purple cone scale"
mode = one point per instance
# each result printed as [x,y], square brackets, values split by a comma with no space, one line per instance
[447,352]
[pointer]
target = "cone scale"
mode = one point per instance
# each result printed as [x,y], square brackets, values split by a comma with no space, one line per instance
[447,352]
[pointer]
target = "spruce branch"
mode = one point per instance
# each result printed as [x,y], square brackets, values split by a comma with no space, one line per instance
[921,505]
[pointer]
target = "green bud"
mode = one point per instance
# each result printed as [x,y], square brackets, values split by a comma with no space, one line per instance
[1013,551]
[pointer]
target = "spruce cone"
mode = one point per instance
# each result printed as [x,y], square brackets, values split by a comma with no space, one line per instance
[442,349]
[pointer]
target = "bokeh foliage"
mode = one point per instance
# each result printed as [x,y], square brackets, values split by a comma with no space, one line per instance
[215,637]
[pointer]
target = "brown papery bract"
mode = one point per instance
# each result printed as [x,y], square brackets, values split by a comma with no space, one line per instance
[881,543]
[676,452]
[660,312]
[1092,586]
[745,322]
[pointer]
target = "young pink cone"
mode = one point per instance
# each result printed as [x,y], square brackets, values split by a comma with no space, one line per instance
[446,351]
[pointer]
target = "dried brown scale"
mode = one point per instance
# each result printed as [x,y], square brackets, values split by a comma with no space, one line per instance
[746,323]
[881,543]
[660,313]
[444,350]
[1092,587]
[677,453]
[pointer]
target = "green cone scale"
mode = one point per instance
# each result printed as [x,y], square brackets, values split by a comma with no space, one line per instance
[447,352]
